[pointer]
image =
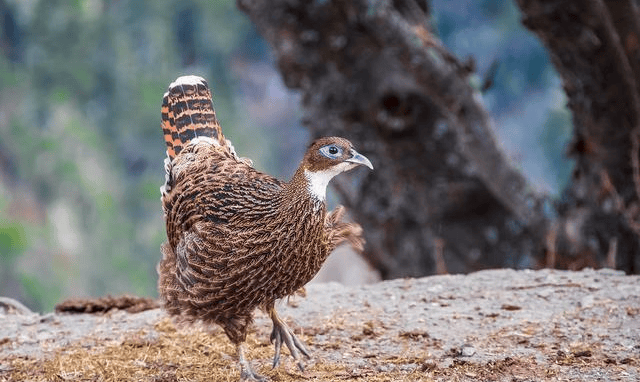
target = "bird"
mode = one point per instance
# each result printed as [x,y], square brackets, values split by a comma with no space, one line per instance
[239,239]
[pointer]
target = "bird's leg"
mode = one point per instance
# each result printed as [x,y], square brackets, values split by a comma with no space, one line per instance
[246,372]
[281,333]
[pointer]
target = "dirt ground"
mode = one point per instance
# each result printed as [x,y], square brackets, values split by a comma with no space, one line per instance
[498,325]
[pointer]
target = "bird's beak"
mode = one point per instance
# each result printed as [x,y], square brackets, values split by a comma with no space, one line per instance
[358,158]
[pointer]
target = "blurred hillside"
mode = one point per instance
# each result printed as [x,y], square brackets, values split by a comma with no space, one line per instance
[81,148]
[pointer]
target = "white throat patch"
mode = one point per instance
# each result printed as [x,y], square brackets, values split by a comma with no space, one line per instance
[319,180]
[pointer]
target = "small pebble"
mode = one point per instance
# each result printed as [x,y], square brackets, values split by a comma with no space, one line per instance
[467,351]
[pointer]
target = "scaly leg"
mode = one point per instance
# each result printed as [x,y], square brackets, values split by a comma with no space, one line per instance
[282,333]
[246,372]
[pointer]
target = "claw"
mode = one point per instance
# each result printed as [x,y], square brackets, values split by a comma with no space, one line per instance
[250,375]
[246,372]
[275,335]
[300,346]
[281,333]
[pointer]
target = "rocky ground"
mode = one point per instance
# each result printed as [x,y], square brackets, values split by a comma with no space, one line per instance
[498,325]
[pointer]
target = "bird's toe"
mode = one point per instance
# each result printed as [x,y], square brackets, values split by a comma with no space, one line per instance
[282,334]
[277,338]
[247,374]
[300,346]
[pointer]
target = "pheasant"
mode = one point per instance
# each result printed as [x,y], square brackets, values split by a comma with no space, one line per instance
[239,239]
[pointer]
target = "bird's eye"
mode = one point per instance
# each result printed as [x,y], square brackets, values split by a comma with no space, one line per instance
[331,151]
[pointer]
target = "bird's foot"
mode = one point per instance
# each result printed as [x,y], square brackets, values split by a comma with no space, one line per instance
[281,333]
[247,373]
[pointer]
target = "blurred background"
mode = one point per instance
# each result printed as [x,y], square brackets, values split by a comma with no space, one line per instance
[81,150]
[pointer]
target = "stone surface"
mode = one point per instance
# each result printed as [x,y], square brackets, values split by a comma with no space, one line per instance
[574,325]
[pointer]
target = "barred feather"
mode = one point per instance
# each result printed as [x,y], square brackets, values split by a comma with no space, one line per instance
[187,112]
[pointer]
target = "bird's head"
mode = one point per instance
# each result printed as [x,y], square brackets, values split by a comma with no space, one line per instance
[326,158]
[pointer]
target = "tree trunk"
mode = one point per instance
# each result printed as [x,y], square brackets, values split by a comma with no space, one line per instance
[595,46]
[443,197]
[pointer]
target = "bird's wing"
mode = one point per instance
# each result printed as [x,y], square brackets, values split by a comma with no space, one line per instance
[216,219]
[339,231]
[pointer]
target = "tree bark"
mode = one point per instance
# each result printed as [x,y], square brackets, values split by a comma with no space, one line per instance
[443,196]
[595,46]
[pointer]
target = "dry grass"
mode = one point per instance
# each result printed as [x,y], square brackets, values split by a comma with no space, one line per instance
[171,355]
[193,354]
[186,354]
[362,349]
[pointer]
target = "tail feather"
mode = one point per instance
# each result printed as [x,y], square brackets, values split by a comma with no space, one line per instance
[187,113]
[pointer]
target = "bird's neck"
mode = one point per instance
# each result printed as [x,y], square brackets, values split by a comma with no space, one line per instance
[307,188]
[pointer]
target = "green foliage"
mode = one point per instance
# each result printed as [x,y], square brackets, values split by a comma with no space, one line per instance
[83,105]
[38,292]
[13,241]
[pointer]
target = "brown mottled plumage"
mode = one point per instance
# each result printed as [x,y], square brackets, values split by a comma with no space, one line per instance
[239,239]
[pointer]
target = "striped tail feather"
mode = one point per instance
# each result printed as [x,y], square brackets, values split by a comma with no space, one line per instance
[187,113]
